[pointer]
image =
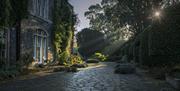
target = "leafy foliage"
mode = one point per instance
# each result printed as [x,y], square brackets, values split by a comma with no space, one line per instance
[5,9]
[64,20]
[75,59]
[10,73]
[12,11]
[113,15]
[100,56]
[67,59]
[64,58]
[90,41]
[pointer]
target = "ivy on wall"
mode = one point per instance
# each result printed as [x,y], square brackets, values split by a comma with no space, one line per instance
[5,9]
[12,11]
[63,29]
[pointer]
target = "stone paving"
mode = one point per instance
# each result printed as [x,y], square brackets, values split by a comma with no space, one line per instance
[94,78]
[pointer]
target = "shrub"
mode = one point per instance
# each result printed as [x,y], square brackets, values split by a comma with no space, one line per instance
[11,72]
[75,59]
[63,58]
[100,56]
[66,59]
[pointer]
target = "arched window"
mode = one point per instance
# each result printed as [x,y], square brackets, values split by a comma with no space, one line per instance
[40,46]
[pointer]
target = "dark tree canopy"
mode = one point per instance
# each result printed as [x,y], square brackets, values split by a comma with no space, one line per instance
[12,11]
[113,15]
[90,41]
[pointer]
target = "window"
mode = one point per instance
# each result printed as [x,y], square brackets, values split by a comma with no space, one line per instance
[40,46]
[40,8]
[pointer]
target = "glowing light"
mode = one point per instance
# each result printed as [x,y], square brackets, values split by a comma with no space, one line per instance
[157,14]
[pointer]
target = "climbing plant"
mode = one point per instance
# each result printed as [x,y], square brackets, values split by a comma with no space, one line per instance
[5,8]
[11,14]
[12,11]
[63,28]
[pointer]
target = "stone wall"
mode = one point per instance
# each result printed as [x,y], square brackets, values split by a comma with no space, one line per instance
[26,43]
[28,29]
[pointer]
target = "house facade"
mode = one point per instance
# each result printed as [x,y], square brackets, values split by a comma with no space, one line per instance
[36,32]
[34,44]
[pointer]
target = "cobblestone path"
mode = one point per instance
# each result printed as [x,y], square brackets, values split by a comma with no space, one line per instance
[94,78]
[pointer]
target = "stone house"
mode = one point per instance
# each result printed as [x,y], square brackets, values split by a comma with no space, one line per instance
[36,32]
[36,43]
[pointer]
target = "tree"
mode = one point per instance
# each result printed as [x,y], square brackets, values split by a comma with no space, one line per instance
[105,18]
[90,41]
[113,15]
[95,16]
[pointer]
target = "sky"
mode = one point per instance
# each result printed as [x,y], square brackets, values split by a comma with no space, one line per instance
[81,6]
